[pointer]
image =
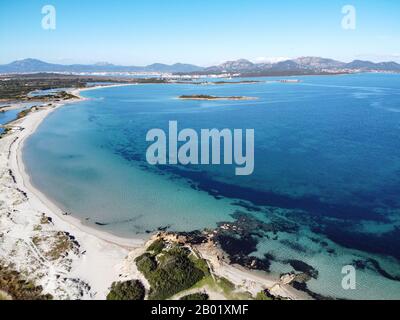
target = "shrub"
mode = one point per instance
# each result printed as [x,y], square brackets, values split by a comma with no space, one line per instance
[173,273]
[157,246]
[146,264]
[128,290]
[196,297]
[14,285]
[200,264]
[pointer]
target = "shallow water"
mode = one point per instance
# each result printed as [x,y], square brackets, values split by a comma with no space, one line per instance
[6,117]
[327,159]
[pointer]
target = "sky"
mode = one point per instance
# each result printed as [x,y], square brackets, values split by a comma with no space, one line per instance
[202,32]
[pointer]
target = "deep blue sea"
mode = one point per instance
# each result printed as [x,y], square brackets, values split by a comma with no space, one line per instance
[325,187]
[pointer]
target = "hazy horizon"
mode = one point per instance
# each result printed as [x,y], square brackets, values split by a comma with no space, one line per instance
[255,61]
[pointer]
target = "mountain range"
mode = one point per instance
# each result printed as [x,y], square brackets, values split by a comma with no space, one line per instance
[303,65]
[34,65]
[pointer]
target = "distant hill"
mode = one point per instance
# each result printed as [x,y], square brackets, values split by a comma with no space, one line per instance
[318,63]
[368,65]
[299,66]
[177,67]
[34,65]
[233,66]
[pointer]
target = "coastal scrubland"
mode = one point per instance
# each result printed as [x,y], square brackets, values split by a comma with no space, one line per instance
[168,271]
[127,290]
[15,286]
[177,271]
[18,87]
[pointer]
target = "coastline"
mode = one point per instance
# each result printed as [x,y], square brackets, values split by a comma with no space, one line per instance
[29,129]
[112,257]
[96,250]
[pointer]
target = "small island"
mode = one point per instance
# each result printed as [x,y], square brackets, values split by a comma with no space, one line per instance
[208,97]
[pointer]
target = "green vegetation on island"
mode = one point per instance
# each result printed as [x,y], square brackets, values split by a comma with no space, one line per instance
[208,97]
[157,246]
[238,82]
[176,270]
[25,112]
[195,297]
[127,290]
[19,86]
[169,270]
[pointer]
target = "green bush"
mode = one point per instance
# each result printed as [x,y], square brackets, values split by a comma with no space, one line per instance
[173,273]
[157,246]
[128,290]
[200,264]
[266,295]
[146,264]
[196,297]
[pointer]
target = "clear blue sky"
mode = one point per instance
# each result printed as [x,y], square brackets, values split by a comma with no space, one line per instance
[203,32]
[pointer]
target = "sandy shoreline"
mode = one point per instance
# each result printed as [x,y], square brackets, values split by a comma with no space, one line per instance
[98,250]
[100,258]
[19,167]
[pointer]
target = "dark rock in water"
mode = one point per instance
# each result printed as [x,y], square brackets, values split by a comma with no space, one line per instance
[252,263]
[302,286]
[194,186]
[164,228]
[360,264]
[239,239]
[194,237]
[295,246]
[249,207]
[269,257]
[331,251]
[237,245]
[309,205]
[344,235]
[101,224]
[303,267]
[302,277]
[248,224]
[319,241]
[374,265]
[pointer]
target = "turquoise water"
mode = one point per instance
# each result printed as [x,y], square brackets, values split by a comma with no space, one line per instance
[327,171]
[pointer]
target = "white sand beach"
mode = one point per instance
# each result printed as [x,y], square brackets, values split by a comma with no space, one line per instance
[68,259]
[27,241]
